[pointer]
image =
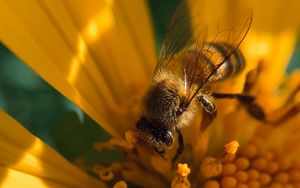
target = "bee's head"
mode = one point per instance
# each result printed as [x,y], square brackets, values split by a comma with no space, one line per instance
[154,135]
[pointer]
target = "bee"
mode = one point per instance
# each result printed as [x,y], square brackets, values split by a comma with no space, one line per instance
[191,59]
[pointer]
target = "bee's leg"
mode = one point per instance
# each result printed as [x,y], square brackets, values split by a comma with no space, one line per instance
[248,102]
[180,148]
[208,114]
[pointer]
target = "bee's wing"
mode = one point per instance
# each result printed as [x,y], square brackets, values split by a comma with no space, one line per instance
[178,36]
[187,50]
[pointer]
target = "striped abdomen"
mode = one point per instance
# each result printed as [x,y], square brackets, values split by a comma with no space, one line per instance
[232,65]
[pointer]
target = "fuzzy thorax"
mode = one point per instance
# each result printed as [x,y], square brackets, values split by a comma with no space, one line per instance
[163,101]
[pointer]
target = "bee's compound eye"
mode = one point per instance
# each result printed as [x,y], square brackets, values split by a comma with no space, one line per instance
[168,138]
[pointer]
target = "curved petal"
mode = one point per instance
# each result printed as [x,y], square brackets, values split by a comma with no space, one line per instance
[97,53]
[25,161]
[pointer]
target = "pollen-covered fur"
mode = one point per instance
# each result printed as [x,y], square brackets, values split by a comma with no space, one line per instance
[162,102]
[165,111]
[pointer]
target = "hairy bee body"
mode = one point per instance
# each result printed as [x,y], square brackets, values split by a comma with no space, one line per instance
[161,111]
[164,107]
[164,100]
[193,56]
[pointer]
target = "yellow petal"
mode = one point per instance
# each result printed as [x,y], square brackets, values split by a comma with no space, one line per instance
[14,178]
[92,52]
[274,50]
[269,16]
[25,161]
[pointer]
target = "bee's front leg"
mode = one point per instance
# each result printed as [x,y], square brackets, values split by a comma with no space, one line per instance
[209,112]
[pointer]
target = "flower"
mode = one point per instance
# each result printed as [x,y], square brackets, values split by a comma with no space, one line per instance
[28,162]
[100,58]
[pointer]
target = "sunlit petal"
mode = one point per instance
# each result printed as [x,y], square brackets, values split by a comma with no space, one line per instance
[86,52]
[26,157]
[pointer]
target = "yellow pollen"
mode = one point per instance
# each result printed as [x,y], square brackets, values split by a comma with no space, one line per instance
[231,147]
[284,164]
[264,179]
[228,182]
[181,181]
[120,184]
[253,174]
[272,167]
[259,164]
[228,152]
[106,173]
[241,185]
[183,170]
[211,184]
[253,184]
[228,169]
[275,185]
[253,169]
[241,176]
[281,177]
[242,163]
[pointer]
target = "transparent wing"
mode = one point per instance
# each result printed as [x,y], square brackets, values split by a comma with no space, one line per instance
[187,49]
[178,36]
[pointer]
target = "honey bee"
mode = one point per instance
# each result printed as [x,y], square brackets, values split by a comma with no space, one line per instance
[191,59]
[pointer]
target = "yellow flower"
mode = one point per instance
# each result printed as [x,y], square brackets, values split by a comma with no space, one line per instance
[101,56]
[28,162]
